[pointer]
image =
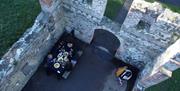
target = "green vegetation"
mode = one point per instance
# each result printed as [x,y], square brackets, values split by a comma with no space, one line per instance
[113,7]
[172,84]
[169,6]
[15,17]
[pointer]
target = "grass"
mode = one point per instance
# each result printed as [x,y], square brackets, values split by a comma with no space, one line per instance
[166,5]
[15,17]
[172,7]
[113,7]
[172,84]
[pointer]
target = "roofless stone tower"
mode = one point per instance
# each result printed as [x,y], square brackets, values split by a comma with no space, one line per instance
[81,16]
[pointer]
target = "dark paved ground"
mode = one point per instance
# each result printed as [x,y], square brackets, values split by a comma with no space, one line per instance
[90,74]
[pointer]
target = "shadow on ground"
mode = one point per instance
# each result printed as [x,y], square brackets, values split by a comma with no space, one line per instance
[93,71]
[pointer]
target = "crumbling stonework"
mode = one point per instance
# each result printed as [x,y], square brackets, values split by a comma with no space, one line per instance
[24,57]
[57,16]
[151,42]
[83,18]
[149,39]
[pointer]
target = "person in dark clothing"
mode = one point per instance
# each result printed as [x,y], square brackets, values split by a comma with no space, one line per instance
[68,66]
[48,64]
[69,47]
[49,58]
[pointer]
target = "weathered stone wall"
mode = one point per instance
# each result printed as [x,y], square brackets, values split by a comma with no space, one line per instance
[24,57]
[83,17]
[57,16]
[149,39]
[150,33]
[162,67]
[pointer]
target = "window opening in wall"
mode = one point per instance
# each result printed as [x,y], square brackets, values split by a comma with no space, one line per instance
[143,25]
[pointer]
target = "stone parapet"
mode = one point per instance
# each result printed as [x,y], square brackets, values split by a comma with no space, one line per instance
[24,57]
[151,35]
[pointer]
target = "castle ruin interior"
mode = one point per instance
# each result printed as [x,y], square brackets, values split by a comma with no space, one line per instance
[148,39]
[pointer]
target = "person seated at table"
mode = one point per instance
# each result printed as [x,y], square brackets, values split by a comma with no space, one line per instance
[69,47]
[71,53]
[68,66]
[49,63]
[57,48]
[49,58]
[70,50]
[61,45]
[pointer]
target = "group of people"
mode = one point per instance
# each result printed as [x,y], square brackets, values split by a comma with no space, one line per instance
[62,59]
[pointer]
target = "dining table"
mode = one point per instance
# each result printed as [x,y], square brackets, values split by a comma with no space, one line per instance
[63,61]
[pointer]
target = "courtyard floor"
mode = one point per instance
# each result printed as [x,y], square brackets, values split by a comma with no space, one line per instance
[94,72]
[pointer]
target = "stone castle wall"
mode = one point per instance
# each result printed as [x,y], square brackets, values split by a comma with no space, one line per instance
[147,32]
[83,17]
[24,57]
[149,40]
[57,16]
[149,36]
